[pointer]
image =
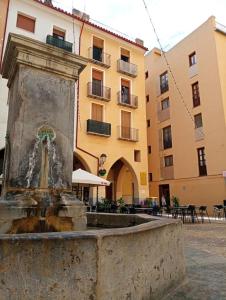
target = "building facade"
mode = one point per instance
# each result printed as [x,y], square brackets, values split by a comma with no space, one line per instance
[111,112]
[186,118]
[111,107]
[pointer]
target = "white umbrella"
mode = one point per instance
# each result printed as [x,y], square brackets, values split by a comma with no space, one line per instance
[82,177]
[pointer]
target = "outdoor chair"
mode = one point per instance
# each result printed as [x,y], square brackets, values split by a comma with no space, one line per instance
[218,211]
[203,212]
[132,210]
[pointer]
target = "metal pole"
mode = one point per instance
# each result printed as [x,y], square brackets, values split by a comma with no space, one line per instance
[97,200]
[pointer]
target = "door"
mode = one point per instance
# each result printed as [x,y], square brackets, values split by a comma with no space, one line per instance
[125,124]
[125,91]
[164,191]
[97,83]
[97,112]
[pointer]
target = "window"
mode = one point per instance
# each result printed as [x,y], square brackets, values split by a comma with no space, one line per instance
[59,34]
[149,149]
[25,22]
[97,112]
[192,59]
[137,157]
[164,82]
[195,94]
[167,137]
[98,46]
[198,120]
[125,91]
[125,55]
[165,103]
[202,161]
[168,160]
[147,98]
[146,74]
[148,123]
[97,83]
[150,177]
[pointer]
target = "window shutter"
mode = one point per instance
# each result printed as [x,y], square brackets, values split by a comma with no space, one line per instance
[25,23]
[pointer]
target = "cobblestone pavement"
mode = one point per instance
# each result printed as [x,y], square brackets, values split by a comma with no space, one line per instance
[205,253]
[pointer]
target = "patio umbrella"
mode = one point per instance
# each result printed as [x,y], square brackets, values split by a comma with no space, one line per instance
[83,177]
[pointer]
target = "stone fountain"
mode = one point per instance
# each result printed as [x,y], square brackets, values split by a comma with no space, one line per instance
[43,234]
[37,189]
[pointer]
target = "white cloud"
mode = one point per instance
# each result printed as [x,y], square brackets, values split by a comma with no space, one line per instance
[173,19]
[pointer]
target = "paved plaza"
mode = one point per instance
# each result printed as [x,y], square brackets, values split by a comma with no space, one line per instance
[205,253]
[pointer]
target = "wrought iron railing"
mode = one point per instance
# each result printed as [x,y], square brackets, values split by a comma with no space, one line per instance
[96,90]
[99,57]
[127,99]
[127,68]
[128,133]
[97,127]
[164,88]
[54,41]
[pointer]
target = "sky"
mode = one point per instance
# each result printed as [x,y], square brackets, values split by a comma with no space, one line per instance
[173,19]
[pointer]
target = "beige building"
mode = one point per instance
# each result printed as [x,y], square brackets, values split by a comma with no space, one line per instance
[187,131]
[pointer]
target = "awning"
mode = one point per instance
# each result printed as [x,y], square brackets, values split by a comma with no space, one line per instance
[82,177]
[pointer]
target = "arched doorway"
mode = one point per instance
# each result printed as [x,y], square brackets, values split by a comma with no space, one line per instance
[124,182]
[83,193]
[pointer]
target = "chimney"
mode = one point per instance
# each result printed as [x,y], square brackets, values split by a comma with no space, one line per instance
[48,2]
[80,14]
[139,42]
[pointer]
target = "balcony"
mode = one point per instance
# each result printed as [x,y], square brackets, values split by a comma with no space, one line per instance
[167,172]
[164,88]
[127,68]
[98,128]
[196,101]
[99,57]
[128,134]
[127,100]
[98,91]
[59,43]
[199,134]
[163,114]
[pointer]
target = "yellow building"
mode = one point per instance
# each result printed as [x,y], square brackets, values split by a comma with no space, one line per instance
[111,120]
[187,131]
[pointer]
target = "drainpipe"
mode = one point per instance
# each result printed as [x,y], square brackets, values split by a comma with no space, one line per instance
[76,140]
[3,42]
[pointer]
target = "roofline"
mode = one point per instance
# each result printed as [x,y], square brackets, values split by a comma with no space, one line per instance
[90,23]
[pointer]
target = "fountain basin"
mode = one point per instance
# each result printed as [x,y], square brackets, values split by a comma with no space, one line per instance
[137,262]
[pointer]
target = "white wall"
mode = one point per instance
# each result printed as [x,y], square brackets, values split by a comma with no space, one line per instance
[46,18]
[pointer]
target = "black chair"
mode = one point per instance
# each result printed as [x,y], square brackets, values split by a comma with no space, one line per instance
[132,210]
[191,212]
[203,212]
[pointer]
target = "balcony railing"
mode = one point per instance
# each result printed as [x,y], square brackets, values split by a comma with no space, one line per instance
[164,88]
[127,100]
[163,114]
[96,90]
[100,57]
[167,143]
[196,101]
[128,133]
[127,68]
[97,127]
[167,172]
[51,40]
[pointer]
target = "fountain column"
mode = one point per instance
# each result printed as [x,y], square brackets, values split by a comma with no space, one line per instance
[40,136]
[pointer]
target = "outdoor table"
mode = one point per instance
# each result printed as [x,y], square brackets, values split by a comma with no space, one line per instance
[144,209]
[180,210]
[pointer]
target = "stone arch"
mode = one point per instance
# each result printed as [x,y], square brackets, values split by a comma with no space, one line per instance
[79,162]
[124,182]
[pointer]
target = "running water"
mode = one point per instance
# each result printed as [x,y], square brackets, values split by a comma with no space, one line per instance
[32,162]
